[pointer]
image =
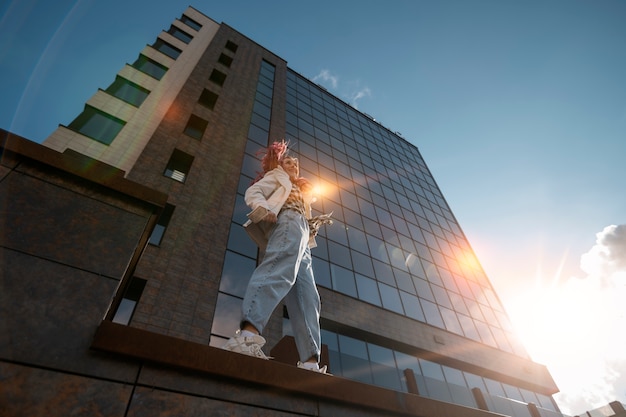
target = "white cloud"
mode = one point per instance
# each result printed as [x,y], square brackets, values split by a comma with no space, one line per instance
[358,95]
[327,78]
[596,374]
[353,93]
[607,258]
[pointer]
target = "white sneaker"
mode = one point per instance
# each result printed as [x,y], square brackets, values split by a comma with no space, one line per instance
[248,345]
[314,368]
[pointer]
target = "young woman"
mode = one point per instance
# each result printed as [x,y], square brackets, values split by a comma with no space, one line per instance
[282,199]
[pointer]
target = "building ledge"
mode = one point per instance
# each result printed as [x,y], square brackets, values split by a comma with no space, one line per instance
[79,165]
[178,353]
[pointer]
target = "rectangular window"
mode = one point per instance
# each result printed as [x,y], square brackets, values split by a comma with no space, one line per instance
[167,49]
[208,99]
[231,46]
[179,34]
[150,67]
[128,91]
[384,369]
[225,60]
[97,125]
[190,22]
[218,77]
[178,166]
[196,127]
[127,306]
[354,359]
[163,221]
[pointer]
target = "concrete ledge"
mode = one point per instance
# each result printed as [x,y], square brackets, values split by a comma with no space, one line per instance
[170,351]
[80,165]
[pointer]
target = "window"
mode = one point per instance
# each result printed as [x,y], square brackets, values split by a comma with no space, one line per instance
[97,125]
[231,46]
[235,268]
[150,67]
[208,99]
[196,127]
[354,359]
[162,223]
[128,91]
[178,166]
[225,60]
[384,369]
[179,34]
[368,290]
[128,304]
[167,49]
[218,77]
[190,22]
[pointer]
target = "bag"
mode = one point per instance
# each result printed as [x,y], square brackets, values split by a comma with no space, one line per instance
[258,229]
[259,232]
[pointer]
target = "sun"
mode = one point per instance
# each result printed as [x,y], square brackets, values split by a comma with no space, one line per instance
[550,319]
[568,327]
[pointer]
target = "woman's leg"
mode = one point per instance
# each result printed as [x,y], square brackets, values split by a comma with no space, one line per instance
[303,305]
[274,277]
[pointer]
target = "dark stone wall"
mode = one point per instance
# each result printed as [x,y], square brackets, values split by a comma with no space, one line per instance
[70,230]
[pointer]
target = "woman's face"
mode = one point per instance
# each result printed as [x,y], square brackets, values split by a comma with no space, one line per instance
[290,165]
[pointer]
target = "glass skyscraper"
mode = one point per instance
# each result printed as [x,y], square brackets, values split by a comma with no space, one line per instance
[406,305]
[395,245]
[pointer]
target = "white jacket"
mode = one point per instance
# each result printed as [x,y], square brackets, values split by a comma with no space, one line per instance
[270,194]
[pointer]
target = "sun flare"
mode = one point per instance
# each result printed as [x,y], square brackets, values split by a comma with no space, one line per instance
[554,322]
[570,327]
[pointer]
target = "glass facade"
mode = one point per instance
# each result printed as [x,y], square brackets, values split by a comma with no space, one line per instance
[394,244]
[373,364]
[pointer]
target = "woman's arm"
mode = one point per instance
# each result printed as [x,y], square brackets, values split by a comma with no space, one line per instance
[257,196]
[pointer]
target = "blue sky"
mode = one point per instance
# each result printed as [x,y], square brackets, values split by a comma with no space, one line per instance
[519,109]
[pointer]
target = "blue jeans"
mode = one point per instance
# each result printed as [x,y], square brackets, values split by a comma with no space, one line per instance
[286,273]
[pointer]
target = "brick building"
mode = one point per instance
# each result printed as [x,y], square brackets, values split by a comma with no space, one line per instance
[125,260]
